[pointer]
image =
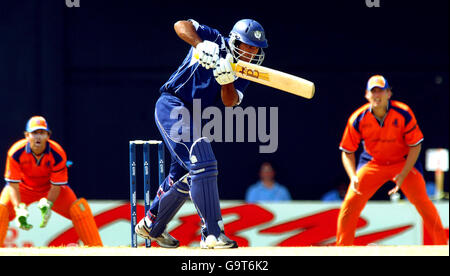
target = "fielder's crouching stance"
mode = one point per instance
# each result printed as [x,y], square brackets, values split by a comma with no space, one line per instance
[193,168]
[392,141]
[36,171]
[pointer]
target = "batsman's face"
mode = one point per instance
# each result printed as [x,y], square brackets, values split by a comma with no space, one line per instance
[379,97]
[38,140]
[249,52]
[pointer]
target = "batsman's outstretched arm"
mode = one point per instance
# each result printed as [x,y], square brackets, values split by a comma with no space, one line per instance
[229,95]
[223,74]
[186,31]
[207,51]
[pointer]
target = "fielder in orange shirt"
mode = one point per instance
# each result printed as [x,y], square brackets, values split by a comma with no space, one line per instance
[36,171]
[392,141]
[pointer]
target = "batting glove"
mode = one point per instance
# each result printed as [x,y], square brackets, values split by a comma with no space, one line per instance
[45,206]
[224,73]
[208,54]
[21,217]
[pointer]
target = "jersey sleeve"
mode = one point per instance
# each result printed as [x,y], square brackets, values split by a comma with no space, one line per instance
[206,33]
[59,175]
[413,135]
[351,138]
[240,85]
[13,173]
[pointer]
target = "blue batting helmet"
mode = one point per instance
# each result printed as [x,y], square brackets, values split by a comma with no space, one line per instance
[249,32]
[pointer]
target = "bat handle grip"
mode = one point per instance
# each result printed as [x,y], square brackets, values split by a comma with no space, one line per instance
[195,55]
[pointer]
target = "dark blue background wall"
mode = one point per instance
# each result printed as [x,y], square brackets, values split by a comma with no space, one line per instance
[94,73]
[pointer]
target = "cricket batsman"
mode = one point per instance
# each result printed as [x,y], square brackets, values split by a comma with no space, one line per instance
[36,171]
[206,75]
[392,142]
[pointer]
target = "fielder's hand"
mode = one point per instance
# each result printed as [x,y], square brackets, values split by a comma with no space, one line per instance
[398,179]
[21,217]
[224,73]
[354,185]
[208,54]
[45,206]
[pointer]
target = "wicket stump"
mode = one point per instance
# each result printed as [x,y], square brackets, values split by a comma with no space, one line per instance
[147,182]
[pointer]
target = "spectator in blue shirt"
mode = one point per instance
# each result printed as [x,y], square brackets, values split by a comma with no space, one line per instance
[267,188]
[339,190]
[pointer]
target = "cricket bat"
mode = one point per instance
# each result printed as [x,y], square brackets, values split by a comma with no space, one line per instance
[273,78]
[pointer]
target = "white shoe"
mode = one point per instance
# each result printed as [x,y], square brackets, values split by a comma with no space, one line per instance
[164,240]
[208,242]
[211,242]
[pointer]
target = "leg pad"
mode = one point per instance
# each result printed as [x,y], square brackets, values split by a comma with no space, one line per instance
[84,223]
[204,191]
[4,222]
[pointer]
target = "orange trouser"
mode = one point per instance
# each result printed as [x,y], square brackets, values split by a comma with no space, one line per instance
[371,177]
[67,205]
[61,205]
